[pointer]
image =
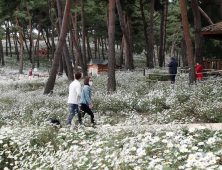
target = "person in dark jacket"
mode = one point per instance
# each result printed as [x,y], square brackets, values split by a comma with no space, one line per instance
[173,69]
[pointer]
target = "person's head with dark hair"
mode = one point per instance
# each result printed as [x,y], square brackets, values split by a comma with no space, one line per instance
[172,58]
[198,62]
[88,81]
[78,75]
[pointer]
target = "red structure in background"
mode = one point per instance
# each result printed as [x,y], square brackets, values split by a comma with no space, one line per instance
[42,52]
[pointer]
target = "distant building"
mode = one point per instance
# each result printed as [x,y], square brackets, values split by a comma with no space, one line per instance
[97,66]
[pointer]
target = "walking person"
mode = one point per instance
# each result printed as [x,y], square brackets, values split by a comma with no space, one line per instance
[74,98]
[173,69]
[85,101]
[199,71]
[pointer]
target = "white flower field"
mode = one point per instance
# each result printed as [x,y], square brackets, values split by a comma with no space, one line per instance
[123,138]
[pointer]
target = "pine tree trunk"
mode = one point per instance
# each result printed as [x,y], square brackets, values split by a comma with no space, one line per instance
[151,44]
[98,48]
[121,53]
[103,50]
[95,40]
[198,33]
[105,44]
[205,15]
[38,40]
[144,30]
[129,61]
[21,42]
[220,10]
[15,43]
[6,42]
[160,56]
[32,41]
[1,53]
[68,64]
[164,32]
[8,31]
[111,60]
[76,37]
[192,74]
[51,81]
[88,47]
[24,38]
[83,35]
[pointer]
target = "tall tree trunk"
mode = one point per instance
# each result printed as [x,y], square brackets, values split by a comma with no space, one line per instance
[121,53]
[8,32]
[6,42]
[24,38]
[144,30]
[32,41]
[78,52]
[205,15]
[1,53]
[71,49]
[88,46]
[98,47]
[198,33]
[66,56]
[76,37]
[107,18]
[164,31]
[183,8]
[220,10]
[21,42]
[151,44]
[160,56]
[103,49]
[111,60]
[83,35]
[51,81]
[95,40]
[15,43]
[105,44]
[38,39]
[129,61]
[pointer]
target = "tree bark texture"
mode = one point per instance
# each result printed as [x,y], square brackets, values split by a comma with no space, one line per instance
[38,39]
[184,52]
[21,43]
[76,38]
[144,29]
[88,46]
[15,43]
[220,10]
[164,31]
[1,53]
[8,32]
[78,52]
[24,39]
[83,35]
[66,56]
[160,56]
[192,74]
[198,33]
[151,44]
[33,48]
[111,59]
[51,80]
[205,15]
[128,55]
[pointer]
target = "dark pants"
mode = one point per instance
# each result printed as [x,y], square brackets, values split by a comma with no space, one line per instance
[85,109]
[172,78]
[73,108]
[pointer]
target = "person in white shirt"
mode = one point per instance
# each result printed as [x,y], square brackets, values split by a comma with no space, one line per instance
[74,98]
